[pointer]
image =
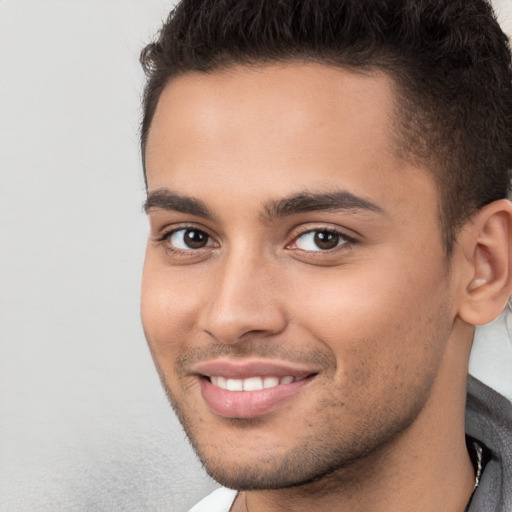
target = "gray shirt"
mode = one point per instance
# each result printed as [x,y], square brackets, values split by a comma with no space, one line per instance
[489,421]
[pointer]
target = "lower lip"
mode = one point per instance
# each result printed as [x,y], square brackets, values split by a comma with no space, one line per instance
[248,404]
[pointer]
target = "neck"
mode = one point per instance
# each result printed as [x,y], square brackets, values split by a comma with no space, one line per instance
[426,467]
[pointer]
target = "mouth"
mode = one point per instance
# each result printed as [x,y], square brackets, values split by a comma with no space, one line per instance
[250,389]
[252,383]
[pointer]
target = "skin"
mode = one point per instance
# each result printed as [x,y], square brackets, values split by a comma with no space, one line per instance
[380,426]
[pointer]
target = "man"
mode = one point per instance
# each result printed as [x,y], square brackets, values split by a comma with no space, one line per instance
[327,186]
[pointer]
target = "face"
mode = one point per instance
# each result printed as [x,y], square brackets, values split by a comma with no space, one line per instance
[296,294]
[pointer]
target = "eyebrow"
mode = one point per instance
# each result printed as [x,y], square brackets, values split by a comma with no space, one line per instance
[304,202]
[164,199]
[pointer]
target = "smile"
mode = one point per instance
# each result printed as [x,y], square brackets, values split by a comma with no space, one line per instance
[252,383]
[250,388]
[251,397]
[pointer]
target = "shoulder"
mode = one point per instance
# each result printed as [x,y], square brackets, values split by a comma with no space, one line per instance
[219,500]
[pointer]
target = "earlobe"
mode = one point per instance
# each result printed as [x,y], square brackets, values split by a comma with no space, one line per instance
[487,245]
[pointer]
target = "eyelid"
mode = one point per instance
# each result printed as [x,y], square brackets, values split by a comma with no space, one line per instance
[164,232]
[162,238]
[348,239]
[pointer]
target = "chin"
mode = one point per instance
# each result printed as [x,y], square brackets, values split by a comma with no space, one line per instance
[245,477]
[321,462]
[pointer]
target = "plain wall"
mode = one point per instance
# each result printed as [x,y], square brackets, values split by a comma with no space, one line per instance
[84,424]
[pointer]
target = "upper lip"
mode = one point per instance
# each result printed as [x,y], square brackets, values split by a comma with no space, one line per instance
[251,368]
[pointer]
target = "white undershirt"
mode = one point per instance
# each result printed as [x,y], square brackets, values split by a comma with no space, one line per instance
[219,500]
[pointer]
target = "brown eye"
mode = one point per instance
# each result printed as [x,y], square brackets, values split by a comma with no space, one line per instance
[320,240]
[187,239]
[326,239]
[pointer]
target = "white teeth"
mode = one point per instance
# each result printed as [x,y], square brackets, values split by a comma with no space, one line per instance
[270,382]
[219,381]
[235,384]
[251,383]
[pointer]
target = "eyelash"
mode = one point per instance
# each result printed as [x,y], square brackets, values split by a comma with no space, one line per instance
[343,239]
[165,236]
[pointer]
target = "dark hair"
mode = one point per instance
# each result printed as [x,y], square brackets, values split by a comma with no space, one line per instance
[449,60]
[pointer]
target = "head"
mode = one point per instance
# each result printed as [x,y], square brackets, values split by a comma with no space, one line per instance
[448,59]
[325,193]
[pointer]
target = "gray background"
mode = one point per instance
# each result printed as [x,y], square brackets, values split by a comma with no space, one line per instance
[84,425]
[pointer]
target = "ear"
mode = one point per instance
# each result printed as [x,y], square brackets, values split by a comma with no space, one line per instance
[486,242]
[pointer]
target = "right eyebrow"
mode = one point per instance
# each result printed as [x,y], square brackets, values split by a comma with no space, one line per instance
[165,199]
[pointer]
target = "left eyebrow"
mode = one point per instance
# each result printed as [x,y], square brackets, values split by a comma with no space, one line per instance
[305,202]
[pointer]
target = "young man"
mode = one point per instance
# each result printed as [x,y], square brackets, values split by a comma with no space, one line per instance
[327,184]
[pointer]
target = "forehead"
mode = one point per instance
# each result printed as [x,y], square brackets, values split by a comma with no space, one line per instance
[268,131]
[281,108]
[310,88]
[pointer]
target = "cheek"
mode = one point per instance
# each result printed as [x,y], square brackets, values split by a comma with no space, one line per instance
[167,312]
[379,323]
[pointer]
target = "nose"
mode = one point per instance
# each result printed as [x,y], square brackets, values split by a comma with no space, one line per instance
[244,301]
